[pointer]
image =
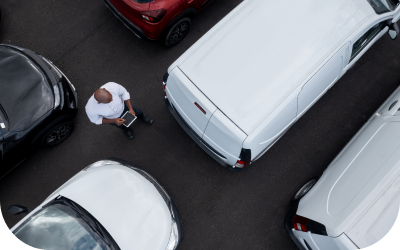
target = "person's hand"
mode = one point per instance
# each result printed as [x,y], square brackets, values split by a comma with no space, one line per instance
[132,112]
[119,121]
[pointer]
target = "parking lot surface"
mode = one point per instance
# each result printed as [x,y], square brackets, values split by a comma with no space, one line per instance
[220,209]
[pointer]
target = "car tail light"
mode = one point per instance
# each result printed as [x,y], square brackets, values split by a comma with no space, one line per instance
[245,159]
[300,223]
[201,109]
[304,224]
[242,164]
[165,79]
[153,16]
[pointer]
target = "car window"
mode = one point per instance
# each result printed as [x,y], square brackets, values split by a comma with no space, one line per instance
[366,38]
[59,227]
[383,6]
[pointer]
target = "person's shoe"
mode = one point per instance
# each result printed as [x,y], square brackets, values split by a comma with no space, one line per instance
[147,120]
[129,133]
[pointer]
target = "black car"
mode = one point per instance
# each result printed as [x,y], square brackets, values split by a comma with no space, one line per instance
[37,105]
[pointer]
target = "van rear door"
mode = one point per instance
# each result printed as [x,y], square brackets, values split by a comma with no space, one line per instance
[224,137]
[191,104]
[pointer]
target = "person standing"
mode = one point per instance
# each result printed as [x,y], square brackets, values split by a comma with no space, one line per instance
[109,103]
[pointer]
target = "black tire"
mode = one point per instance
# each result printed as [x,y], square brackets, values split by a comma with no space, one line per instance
[57,134]
[304,190]
[178,32]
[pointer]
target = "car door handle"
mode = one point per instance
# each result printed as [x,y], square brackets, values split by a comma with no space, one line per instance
[391,106]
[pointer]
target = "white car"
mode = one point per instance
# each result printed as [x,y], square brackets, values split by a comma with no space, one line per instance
[110,204]
[239,88]
[356,201]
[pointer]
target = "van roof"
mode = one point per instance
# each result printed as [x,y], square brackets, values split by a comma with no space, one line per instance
[363,179]
[259,53]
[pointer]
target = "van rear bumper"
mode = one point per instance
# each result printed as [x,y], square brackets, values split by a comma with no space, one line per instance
[204,145]
[288,225]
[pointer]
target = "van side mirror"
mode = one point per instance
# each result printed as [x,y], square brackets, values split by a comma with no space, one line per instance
[17,209]
[394,30]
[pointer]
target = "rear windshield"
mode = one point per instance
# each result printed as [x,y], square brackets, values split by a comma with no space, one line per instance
[383,6]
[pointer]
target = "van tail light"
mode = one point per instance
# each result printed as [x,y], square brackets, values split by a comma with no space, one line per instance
[201,109]
[165,92]
[300,223]
[153,16]
[245,159]
[165,79]
[242,164]
[304,224]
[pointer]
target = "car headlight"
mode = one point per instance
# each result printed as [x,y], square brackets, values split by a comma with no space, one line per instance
[101,164]
[58,71]
[57,96]
[174,238]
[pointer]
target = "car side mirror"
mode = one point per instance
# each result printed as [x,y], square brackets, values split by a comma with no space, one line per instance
[394,30]
[17,209]
[1,151]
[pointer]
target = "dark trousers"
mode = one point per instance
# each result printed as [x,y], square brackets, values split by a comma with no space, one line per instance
[138,112]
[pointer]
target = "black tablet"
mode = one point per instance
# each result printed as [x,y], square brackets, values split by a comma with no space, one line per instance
[129,119]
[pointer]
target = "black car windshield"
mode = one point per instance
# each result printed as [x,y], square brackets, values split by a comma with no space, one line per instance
[60,227]
[383,6]
[3,123]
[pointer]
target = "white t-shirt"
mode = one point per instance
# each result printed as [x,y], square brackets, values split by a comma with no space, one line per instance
[97,111]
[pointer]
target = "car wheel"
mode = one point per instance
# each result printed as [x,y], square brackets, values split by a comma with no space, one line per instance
[178,32]
[304,189]
[57,134]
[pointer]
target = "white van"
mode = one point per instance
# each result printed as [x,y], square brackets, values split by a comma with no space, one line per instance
[356,201]
[239,88]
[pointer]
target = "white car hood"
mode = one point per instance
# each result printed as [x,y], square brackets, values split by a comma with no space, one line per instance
[125,203]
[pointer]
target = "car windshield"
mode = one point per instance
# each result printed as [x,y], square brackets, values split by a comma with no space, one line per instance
[383,6]
[3,123]
[59,227]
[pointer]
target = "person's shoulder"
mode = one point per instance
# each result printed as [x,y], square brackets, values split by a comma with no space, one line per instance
[91,103]
[111,85]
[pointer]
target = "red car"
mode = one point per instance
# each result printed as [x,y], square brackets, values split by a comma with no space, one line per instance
[157,19]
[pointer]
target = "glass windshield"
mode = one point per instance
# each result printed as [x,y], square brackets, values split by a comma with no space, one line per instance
[59,227]
[383,6]
[3,123]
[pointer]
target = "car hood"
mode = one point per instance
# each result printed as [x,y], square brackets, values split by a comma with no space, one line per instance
[128,206]
[25,93]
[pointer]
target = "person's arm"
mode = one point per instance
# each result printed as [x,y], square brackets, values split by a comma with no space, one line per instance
[97,119]
[93,117]
[128,103]
[117,121]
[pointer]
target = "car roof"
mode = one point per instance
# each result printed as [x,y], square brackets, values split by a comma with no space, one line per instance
[259,53]
[358,178]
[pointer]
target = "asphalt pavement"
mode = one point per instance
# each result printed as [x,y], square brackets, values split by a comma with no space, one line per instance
[220,209]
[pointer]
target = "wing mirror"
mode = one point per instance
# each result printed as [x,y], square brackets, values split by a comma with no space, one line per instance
[17,209]
[1,151]
[394,30]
